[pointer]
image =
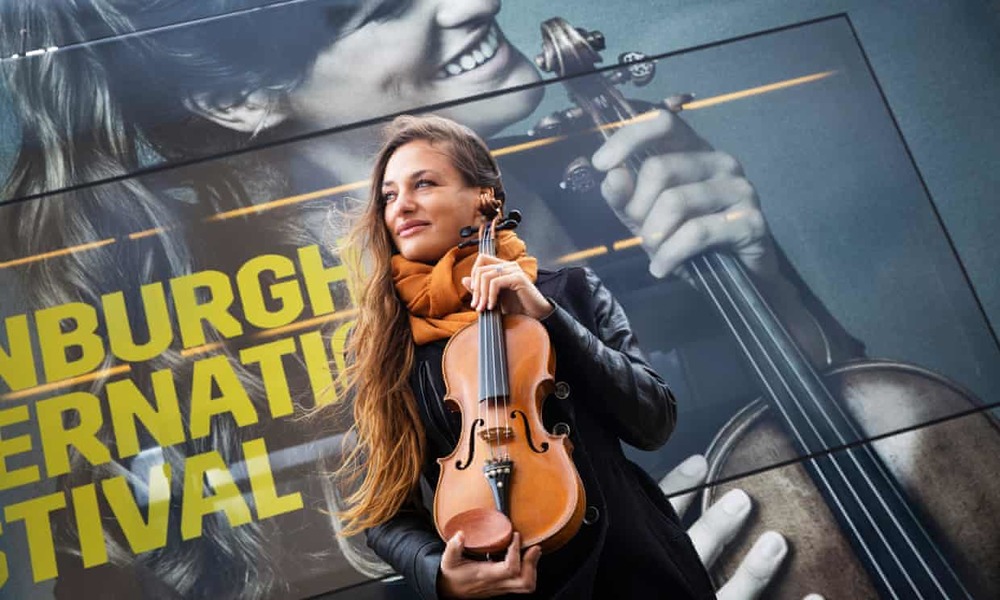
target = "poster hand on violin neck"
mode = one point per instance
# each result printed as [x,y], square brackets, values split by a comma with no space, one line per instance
[681,196]
[461,577]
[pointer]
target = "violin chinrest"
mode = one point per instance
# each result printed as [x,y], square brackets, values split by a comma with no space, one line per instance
[487,530]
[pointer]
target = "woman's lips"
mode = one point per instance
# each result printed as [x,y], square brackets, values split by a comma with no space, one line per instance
[411,230]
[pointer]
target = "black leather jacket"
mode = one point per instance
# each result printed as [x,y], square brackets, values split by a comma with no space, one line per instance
[614,396]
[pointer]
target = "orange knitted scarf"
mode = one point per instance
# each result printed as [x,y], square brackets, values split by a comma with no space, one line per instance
[434,294]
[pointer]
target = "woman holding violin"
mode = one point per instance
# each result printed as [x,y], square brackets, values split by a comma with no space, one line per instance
[433,179]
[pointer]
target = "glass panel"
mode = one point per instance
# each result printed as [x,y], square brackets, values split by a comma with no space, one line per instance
[103,286]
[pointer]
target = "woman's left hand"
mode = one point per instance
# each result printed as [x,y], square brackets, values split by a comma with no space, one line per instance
[494,280]
[684,200]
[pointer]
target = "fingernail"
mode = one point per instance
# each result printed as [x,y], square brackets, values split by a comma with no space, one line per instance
[657,271]
[772,545]
[598,159]
[735,502]
[695,466]
[814,597]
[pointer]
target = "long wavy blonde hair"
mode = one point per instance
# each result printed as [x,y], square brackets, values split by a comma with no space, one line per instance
[384,462]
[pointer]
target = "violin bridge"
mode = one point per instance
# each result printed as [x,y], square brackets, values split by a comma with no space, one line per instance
[498,472]
[497,435]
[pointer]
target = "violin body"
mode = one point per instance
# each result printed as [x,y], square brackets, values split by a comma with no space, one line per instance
[507,473]
[546,500]
[940,468]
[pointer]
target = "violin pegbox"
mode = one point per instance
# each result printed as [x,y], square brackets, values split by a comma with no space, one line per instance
[510,221]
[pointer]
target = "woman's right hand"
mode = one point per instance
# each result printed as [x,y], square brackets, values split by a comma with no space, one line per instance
[464,578]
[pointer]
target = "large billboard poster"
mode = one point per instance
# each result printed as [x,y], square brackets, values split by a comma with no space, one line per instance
[179,178]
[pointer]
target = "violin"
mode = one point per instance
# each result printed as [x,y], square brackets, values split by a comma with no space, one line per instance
[507,473]
[884,519]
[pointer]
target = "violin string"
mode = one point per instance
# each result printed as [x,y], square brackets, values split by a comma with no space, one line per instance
[493,364]
[822,408]
[505,378]
[504,382]
[486,358]
[694,267]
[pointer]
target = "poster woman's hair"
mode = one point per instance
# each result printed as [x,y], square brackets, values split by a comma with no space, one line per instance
[103,109]
[384,464]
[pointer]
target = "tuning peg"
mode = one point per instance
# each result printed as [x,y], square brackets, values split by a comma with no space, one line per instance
[579,177]
[468,231]
[557,122]
[546,60]
[640,69]
[594,39]
[512,220]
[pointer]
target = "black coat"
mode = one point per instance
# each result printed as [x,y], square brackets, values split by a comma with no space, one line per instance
[631,545]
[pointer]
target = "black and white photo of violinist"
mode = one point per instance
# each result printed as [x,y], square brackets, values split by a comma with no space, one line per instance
[751,203]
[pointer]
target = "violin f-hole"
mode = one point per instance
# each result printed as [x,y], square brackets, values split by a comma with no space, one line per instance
[527,433]
[472,446]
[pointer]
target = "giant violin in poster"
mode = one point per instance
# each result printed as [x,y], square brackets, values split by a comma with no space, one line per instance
[887,518]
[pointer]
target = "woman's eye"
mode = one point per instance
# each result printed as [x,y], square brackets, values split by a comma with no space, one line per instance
[424,183]
[388,197]
[384,10]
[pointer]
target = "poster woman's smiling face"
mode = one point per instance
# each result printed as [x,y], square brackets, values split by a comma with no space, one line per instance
[404,54]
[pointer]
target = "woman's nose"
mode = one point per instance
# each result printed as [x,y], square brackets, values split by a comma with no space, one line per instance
[404,202]
[457,13]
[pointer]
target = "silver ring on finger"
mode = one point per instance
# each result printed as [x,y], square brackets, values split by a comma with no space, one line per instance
[499,269]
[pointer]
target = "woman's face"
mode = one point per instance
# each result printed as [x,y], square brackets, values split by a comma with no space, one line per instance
[427,202]
[411,53]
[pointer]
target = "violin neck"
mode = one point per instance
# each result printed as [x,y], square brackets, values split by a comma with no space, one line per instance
[493,379]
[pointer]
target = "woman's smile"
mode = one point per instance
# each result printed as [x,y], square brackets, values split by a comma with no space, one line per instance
[488,47]
[432,52]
